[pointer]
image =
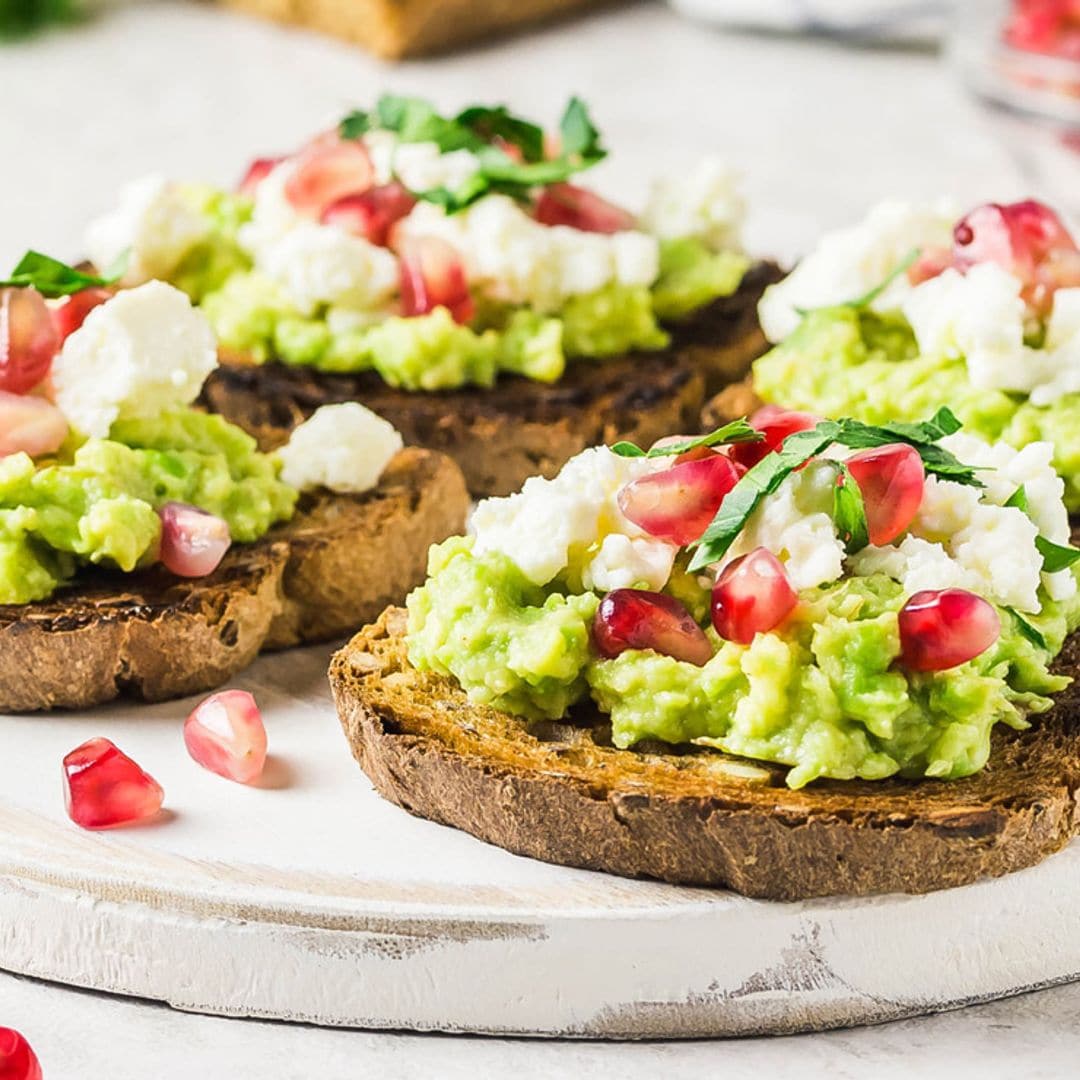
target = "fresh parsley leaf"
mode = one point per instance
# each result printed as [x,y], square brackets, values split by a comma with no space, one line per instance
[849,513]
[868,298]
[1032,633]
[1018,499]
[497,122]
[762,480]
[53,278]
[1055,556]
[738,431]
[355,124]
[579,135]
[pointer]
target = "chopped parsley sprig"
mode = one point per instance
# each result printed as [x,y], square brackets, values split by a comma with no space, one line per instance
[871,295]
[738,431]
[52,278]
[486,131]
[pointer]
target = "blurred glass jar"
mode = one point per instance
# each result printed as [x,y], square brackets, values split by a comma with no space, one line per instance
[1032,97]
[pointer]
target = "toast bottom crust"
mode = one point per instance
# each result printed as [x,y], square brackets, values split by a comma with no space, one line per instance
[152,636]
[561,793]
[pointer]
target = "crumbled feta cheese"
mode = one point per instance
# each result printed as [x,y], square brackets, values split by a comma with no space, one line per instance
[848,263]
[153,223]
[1061,349]
[624,562]
[423,166]
[704,202]
[319,264]
[916,563]
[549,522]
[344,448]
[142,352]
[273,215]
[515,259]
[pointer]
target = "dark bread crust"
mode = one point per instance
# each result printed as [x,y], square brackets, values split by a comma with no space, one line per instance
[153,636]
[521,428]
[561,793]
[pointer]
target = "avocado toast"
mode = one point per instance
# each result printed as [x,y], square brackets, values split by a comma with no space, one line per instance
[149,549]
[446,272]
[832,664]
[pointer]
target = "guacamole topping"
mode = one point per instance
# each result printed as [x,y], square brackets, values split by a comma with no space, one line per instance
[991,326]
[523,613]
[436,251]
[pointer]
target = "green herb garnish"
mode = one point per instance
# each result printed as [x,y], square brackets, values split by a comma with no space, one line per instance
[1055,556]
[849,512]
[53,278]
[868,298]
[738,431]
[1032,633]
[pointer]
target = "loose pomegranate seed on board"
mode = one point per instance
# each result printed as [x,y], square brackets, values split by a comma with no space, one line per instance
[28,339]
[71,312]
[751,596]
[326,173]
[372,213]
[567,204]
[892,479]
[941,628]
[104,788]
[776,425]
[678,504]
[225,734]
[30,424]
[193,542]
[636,619]
[17,1060]
[433,275]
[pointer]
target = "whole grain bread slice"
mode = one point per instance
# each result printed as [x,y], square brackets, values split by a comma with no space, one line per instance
[521,428]
[153,636]
[562,793]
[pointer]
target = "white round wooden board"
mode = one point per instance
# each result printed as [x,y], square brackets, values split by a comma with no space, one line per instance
[311,899]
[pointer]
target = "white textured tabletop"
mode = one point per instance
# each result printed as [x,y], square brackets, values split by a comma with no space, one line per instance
[819,133]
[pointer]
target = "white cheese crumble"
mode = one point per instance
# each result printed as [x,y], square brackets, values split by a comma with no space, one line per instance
[345,448]
[152,222]
[848,263]
[142,352]
[513,258]
[576,516]
[420,166]
[704,202]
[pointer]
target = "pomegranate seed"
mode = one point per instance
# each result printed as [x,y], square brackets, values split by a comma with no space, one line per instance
[193,542]
[256,173]
[17,1060]
[433,275]
[567,204]
[678,504]
[71,312]
[371,214]
[28,339]
[931,262]
[776,424]
[326,173]
[104,788]
[940,628]
[891,479]
[225,734]
[30,424]
[635,619]
[751,596]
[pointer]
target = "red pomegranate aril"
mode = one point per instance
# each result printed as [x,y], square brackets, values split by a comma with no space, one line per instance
[17,1060]
[371,214]
[193,542]
[256,173]
[932,261]
[225,734]
[636,619]
[326,173]
[751,596]
[28,339]
[892,480]
[567,204]
[433,275]
[30,424]
[104,788]
[71,312]
[775,424]
[941,628]
[678,503]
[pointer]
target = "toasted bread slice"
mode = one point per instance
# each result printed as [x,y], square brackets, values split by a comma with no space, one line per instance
[520,428]
[561,792]
[153,636]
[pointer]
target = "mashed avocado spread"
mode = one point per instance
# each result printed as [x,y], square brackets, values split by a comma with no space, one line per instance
[96,502]
[507,614]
